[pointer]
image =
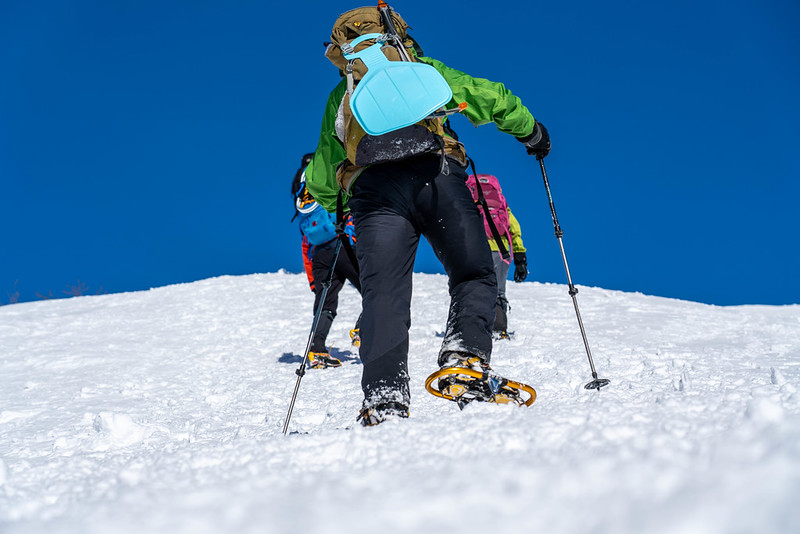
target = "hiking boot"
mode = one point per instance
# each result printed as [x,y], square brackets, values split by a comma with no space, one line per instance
[355,337]
[377,414]
[501,334]
[321,360]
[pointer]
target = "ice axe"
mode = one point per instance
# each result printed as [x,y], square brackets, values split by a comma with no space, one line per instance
[597,383]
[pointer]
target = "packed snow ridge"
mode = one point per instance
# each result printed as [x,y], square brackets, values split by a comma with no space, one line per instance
[161,412]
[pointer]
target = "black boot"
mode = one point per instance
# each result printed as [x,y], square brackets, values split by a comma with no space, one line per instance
[377,414]
[501,319]
[321,333]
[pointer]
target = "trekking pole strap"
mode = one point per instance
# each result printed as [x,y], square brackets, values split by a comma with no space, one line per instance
[482,202]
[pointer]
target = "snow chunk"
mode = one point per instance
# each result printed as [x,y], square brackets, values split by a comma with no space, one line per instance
[119,430]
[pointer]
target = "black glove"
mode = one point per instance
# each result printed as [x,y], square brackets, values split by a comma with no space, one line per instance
[538,142]
[520,266]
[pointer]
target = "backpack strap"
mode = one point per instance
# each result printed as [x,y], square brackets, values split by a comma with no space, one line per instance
[482,202]
[340,224]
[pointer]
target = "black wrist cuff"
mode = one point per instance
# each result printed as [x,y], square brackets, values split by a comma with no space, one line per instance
[533,138]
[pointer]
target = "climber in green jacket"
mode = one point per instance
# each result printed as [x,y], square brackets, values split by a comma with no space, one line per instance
[404,184]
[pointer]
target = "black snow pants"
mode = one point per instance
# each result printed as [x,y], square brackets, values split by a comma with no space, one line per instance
[321,260]
[393,204]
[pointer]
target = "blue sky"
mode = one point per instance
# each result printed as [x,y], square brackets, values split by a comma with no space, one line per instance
[153,142]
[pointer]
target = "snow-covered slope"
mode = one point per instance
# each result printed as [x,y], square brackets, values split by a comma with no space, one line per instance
[161,411]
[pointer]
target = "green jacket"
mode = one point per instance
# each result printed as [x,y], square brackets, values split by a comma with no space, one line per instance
[516,235]
[487,102]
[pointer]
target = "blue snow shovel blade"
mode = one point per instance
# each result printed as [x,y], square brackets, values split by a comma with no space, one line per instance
[395,94]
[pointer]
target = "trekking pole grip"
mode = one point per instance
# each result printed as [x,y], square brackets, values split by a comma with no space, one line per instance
[556,226]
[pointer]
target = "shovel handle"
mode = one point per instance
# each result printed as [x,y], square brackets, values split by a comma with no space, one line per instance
[386,15]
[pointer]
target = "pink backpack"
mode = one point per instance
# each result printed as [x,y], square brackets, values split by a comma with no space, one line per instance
[497,207]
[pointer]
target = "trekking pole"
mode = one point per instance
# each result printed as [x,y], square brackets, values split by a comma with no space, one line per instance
[302,369]
[597,383]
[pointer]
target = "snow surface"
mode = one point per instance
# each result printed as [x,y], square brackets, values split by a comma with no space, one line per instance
[162,411]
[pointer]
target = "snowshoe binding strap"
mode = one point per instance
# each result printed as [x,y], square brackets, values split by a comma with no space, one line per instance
[464,385]
[322,360]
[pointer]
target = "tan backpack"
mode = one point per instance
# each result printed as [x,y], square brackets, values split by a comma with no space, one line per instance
[363,149]
[361,21]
